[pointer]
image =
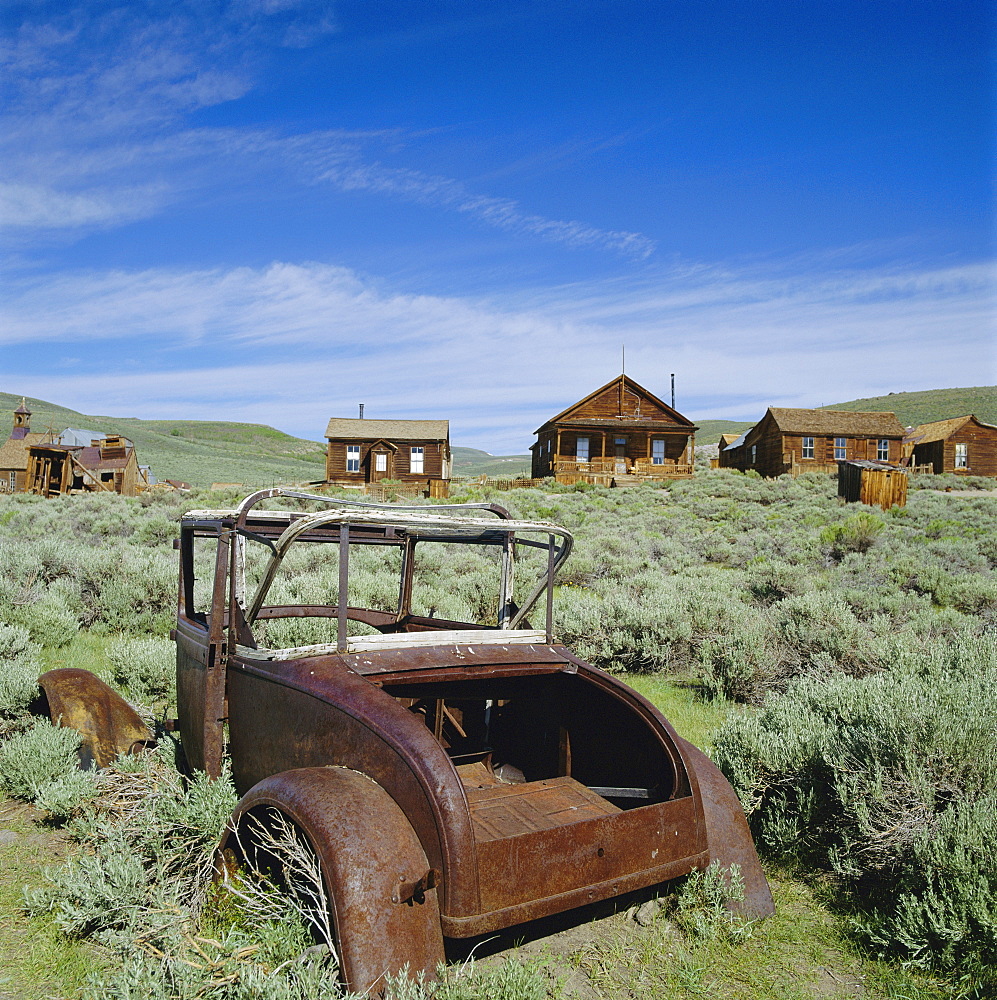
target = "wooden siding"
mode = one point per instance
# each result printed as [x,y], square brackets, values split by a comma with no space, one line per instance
[981,451]
[776,452]
[620,410]
[398,462]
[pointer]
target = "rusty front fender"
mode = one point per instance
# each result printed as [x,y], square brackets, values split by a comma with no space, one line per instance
[109,726]
[727,835]
[383,893]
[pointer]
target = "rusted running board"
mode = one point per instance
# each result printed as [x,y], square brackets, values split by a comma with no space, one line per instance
[109,726]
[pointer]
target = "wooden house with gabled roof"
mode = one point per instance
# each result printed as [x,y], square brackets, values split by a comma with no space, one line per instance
[796,440]
[963,445]
[621,433]
[360,451]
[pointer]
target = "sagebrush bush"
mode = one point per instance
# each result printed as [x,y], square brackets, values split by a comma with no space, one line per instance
[19,669]
[889,781]
[147,667]
[35,757]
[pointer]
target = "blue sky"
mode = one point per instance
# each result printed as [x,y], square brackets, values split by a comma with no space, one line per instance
[272,210]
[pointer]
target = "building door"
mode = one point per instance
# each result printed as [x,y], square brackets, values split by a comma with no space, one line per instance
[380,466]
[621,456]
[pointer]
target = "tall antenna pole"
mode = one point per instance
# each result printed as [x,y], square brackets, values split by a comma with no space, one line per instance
[673,390]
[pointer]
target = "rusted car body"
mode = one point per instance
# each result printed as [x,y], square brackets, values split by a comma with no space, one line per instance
[453,778]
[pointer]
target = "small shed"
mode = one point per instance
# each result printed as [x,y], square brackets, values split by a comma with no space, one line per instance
[878,484]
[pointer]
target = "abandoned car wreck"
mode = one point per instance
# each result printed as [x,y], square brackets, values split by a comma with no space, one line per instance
[452,777]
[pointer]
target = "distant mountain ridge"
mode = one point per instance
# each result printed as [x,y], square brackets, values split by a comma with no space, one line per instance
[203,452]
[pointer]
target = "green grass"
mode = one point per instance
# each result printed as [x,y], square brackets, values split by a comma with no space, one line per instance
[800,953]
[87,651]
[694,718]
[36,959]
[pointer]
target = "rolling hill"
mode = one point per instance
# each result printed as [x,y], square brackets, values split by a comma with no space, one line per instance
[203,452]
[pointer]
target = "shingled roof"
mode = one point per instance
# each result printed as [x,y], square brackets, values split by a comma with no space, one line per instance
[939,430]
[836,423]
[357,429]
[14,451]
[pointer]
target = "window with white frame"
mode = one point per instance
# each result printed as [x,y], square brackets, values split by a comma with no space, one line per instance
[581,449]
[754,453]
[840,449]
[416,460]
[962,456]
[353,458]
[380,462]
[808,447]
[883,449]
[657,451]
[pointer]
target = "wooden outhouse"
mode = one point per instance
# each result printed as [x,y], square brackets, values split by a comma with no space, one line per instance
[797,440]
[361,451]
[963,445]
[876,483]
[619,434]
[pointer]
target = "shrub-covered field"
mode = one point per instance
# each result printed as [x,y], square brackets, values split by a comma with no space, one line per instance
[848,655]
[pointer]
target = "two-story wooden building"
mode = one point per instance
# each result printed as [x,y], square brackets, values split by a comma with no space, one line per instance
[621,434]
[797,440]
[963,445]
[414,452]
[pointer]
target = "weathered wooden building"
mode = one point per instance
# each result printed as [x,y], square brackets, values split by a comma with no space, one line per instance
[963,445]
[360,451]
[796,440]
[108,464]
[14,451]
[621,433]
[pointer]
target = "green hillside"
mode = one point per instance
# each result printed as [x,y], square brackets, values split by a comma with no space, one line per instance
[200,452]
[710,430]
[473,462]
[910,407]
[203,452]
[931,404]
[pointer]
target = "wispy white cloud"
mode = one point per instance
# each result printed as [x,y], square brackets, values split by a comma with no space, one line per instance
[95,128]
[292,344]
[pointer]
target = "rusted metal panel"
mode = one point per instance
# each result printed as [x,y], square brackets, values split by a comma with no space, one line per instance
[382,888]
[516,869]
[110,727]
